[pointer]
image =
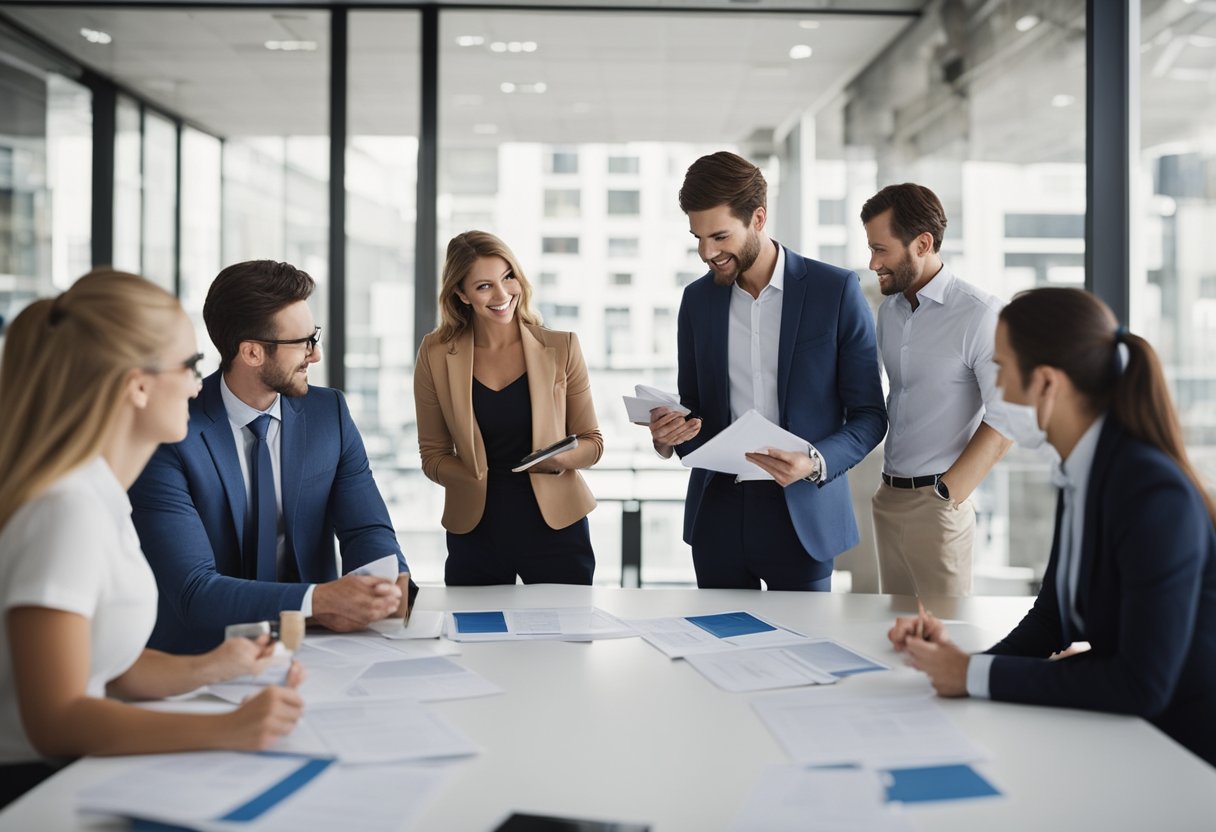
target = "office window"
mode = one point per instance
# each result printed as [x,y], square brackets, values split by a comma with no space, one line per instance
[45,174]
[1045,225]
[559,245]
[546,279]
[561,203]
[624,203]
[623,246]
[620,278]
[160,198]
[201,257]
[623,164]
[684,278]
[1173,294]
[128,186]
[562,161]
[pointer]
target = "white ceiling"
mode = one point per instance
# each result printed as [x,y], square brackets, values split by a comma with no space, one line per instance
[609,77]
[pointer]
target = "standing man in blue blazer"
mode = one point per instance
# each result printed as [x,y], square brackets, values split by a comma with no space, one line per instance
[238,520]
[792,338]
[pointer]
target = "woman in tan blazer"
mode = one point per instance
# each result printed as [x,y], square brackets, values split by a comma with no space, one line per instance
[490,386]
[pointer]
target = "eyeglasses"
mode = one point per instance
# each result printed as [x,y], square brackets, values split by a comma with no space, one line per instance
[190,364]
[309,341]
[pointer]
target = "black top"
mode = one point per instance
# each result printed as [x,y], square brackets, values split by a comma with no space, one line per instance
[505,419]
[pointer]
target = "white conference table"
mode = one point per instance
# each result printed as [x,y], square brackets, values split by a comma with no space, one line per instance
[614,730]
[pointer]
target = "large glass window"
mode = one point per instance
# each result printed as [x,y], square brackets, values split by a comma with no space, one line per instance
[381,197]
[45,178]
[128,185]
[1174,285]
[613,107]
[200,247]
[160,200]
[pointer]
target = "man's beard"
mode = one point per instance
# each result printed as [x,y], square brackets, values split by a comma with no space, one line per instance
[284,382]
[903,275]
[746,258]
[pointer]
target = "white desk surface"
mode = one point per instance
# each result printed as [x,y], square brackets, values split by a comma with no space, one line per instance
[614,730]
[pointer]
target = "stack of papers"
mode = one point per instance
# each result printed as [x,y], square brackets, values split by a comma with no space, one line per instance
[751,432]
[817,662]
[679,637]
[376,732]
[791,799]
[564,624]
[647,399]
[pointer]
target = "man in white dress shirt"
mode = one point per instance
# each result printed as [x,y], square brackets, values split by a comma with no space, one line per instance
[935,337]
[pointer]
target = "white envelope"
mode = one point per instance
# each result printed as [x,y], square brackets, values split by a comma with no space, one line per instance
[750,432]
[647,398]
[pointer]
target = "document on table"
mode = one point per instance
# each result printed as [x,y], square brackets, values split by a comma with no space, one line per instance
[750,432]
[423,680]
[679,637]
[260,792]
[817,662]
[423,624]
[794,799]
[375,732]
[200,785]
[566,624]
[820,728]
[646,399]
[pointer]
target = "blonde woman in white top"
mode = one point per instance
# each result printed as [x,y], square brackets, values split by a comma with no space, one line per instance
[92,382]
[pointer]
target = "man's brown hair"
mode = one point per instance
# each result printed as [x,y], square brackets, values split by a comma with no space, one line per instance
[243,300]
[724,178]
[914,210]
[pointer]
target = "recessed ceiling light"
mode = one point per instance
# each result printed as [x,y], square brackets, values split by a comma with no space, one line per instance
[536,87]
[1062,100]
[95,36]
[507,86]
[800,52]
[470,40]
[808,24]
[291,45]
[498,46]
[1026,22]
[529,46]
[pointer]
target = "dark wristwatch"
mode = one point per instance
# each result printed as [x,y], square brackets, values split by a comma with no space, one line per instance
[940,489]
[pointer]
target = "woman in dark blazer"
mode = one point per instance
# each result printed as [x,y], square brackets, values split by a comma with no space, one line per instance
[490,386]
[1133,564]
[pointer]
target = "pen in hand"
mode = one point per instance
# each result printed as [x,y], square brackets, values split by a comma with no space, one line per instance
[920,619]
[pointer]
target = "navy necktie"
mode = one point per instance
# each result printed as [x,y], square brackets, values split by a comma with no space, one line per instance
[1065,554]
[261,515]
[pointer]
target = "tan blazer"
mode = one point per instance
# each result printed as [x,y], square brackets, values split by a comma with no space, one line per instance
[453,453]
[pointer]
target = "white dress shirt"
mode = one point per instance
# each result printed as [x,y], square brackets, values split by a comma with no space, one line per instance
[753,340]
[1071,476]
[938,360]
[73,548]
[239,417]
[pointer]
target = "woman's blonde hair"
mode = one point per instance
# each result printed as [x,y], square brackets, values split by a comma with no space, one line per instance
[62,376]
[463,251]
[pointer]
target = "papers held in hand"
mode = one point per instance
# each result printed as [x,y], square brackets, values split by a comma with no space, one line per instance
[569,443]
[727,451]
[647,399]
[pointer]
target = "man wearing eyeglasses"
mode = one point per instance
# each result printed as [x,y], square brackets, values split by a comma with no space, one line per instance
[239,519]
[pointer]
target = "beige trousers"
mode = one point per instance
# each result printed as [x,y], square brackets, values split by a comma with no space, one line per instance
[918,533]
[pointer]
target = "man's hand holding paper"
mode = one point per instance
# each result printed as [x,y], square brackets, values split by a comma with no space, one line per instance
[750,440]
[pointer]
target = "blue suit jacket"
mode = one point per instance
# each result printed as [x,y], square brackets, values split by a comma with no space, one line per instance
[189,509]
[828,389]
[1146,593]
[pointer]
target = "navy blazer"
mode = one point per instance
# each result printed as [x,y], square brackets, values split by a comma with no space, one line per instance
[1146,593]
[189,508]
[828,389]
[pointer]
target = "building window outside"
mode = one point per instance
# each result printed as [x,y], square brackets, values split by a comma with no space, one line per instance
[562,203]
[559,245]
[624,203]
[562,161]
[620,279]
[623,164]
[623,247]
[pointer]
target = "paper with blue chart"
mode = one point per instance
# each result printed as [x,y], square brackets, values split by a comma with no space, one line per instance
[816,662]
[679,637]
[557,623]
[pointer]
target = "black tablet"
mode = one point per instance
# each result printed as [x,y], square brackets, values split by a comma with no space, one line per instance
[544,453]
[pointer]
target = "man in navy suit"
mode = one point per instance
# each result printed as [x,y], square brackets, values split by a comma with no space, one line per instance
[792,338]
[238,520]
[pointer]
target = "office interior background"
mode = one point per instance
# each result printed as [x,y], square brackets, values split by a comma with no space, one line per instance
[353,140]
